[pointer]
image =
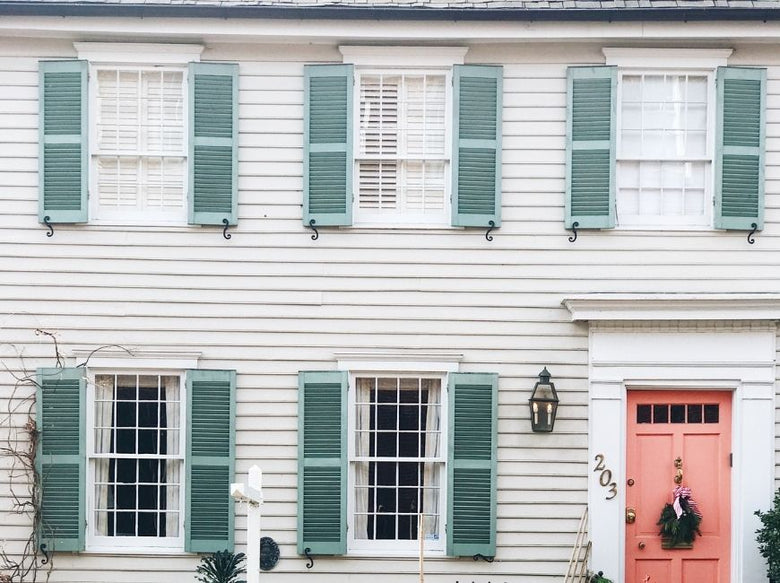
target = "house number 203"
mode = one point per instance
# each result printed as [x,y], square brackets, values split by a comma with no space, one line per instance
[605,477]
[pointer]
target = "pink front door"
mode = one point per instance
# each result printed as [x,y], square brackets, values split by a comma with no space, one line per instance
[694,426]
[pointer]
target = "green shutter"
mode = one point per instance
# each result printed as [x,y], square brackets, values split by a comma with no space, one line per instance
[63,154]
[208,523]
[739,154]
[476,159]
[327,142]
[322,463]
[471,506]
[60,459]
[213,164]
[590,147]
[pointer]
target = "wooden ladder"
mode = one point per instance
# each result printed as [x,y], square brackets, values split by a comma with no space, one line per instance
[577,571]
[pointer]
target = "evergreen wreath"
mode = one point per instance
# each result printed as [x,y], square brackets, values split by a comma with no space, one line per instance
[680,520]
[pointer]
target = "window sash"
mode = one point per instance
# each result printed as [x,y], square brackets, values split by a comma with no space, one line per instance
[140,174]
[414,190]
[430,467]
[98,542]
[669,207]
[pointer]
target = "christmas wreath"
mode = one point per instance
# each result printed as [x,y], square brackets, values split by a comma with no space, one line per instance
[680,520]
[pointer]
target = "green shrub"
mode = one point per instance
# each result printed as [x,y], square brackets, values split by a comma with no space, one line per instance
[221,567]
[768,537]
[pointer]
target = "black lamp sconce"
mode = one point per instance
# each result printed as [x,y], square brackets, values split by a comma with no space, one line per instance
[543,404]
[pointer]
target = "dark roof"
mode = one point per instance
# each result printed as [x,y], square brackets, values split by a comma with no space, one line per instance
[669,10]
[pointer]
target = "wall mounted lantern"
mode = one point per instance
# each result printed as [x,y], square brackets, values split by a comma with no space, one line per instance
[543,404]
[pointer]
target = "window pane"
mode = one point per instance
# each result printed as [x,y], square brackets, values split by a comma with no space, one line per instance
[695,413]
[660,413]
[643,414]
[711,413]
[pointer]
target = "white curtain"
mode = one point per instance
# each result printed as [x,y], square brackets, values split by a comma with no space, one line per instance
[104,431]
[172,466]
[362,442]
[432,470]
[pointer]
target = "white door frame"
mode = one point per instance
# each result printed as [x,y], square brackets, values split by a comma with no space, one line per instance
[712,355]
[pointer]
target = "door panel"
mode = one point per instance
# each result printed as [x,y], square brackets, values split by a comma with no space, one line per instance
[696,427]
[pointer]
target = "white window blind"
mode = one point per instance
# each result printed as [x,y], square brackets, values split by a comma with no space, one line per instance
[140,150]
[664,158]
[402,149]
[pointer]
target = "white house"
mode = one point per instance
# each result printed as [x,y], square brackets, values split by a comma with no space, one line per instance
[343,240]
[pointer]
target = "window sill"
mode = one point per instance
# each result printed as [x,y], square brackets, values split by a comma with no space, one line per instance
[390,554]
[136,551]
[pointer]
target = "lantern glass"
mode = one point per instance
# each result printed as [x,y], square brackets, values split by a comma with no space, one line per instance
[543,404]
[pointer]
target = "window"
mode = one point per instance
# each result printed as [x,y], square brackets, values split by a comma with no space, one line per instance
[124,455]
[138,134]
[387,441]
[397,462]
[402,137]
[139,154]
[136,459]
[664,163]
[649,146]
[402,160]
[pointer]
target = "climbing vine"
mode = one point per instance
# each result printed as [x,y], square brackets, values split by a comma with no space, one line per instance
[19,449]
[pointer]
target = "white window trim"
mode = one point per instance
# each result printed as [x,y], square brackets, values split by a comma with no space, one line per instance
[404,60]
[705,222]
[121,363]
[397,364]
[396,57]
[136,56]
[687,61]
[138,53]
[653,58]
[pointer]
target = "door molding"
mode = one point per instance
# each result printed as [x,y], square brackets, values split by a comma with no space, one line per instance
[725,355]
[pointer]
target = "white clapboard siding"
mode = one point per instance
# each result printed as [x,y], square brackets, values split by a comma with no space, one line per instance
[271,302]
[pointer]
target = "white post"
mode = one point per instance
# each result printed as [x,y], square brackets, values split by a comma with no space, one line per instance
[252,494]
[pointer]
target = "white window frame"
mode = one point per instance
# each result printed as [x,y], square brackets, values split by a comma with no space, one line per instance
[401,216]
[397,365]
[153,362]
[135,56]
[643,61]
[401,61]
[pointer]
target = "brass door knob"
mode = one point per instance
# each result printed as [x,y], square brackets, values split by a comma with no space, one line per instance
[642,546]
[630,515]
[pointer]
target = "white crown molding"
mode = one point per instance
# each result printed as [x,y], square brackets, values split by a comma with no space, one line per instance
[667,58]
[650,307]
[138,53]
[113,358]
[399,361]
[406,56]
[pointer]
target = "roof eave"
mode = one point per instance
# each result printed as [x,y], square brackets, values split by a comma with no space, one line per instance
[341,12]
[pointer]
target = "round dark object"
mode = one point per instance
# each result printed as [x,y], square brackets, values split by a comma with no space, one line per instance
[269,553]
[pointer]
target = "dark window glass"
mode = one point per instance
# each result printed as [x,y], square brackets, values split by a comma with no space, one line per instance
[711,413]
[694,413]
[678,413]
[660,413]
[643,414]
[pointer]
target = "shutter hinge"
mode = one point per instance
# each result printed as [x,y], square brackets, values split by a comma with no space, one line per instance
[731,460]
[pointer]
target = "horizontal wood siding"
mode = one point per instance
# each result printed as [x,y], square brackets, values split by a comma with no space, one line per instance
[270,302]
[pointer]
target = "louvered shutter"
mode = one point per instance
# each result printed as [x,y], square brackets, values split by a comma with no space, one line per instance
[322,463]
[60,459]
[62,141]
[471,507]
[739,156]
[327,142]
[590,147]
[476,158]
[210,460]
[213,163]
